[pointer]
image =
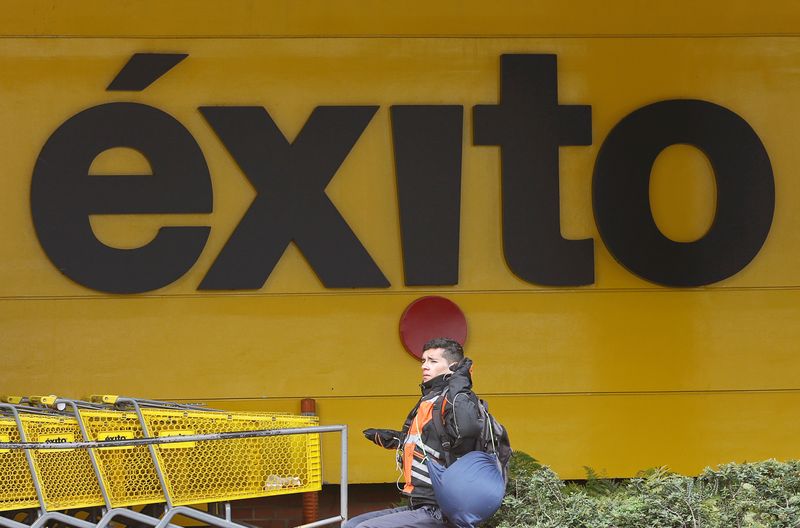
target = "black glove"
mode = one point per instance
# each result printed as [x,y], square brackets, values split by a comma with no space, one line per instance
[460,380]
[387,438]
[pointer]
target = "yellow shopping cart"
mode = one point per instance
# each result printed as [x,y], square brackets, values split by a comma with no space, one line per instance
[117,453]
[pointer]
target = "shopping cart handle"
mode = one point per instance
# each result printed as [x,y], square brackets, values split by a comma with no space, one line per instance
[44,400]
[13,400]
[110,399]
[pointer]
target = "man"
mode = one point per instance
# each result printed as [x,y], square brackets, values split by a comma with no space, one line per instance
[448,398]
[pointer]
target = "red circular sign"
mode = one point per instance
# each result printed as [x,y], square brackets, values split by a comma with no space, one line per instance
[430,317]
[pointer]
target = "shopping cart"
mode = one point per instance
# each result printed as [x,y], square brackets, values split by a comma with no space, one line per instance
[20,472]
[116,453]
[19,485]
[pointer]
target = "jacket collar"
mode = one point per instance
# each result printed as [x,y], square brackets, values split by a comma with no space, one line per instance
[461,378]
[433,385]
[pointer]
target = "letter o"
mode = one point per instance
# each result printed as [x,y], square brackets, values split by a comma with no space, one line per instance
[745,193]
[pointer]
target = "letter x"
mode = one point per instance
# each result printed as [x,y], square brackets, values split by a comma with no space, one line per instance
[291,204]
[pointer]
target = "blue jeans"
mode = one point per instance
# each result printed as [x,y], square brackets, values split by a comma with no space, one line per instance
[402,517]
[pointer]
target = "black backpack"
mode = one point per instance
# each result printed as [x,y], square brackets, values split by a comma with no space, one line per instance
[493,438]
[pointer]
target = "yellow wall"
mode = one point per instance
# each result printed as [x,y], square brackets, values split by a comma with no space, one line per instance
[620,375]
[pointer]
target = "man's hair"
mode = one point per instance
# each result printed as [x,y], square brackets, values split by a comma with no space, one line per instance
[453,352]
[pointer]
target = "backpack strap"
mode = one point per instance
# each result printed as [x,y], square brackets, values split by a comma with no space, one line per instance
[437,420]
[407,424]
[484,407]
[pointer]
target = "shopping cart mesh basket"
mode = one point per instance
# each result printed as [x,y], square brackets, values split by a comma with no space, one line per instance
[223,470]
[66,476]
[16,482]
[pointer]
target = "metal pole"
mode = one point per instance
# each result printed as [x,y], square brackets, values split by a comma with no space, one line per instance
[308,407]
[343,483]
[92,458]
[34,476]
[150,448]
[176,439]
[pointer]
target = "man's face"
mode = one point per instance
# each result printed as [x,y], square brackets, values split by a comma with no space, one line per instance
[434,364]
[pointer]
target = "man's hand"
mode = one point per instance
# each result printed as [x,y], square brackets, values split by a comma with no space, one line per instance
[387,438]
[459,380]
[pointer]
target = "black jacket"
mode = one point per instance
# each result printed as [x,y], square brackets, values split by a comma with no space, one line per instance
[448,398]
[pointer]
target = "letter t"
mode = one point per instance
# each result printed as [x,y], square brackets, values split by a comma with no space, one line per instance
[529,126]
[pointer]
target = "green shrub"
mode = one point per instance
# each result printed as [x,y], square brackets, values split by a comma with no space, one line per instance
[756,495]
[764,494]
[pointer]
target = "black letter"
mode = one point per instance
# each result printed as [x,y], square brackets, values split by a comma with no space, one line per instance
[63,195]
[291,203]
[745,193]
[427,158]
[529,125]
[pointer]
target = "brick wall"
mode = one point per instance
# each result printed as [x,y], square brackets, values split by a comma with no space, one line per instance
[286,511]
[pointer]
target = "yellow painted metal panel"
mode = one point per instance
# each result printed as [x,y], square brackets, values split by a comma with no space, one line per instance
[528,348]
[347,345]
[584,376]
[755,77]
[376,17]
[616,434]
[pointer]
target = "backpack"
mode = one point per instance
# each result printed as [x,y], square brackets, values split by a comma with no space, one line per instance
[493,438]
